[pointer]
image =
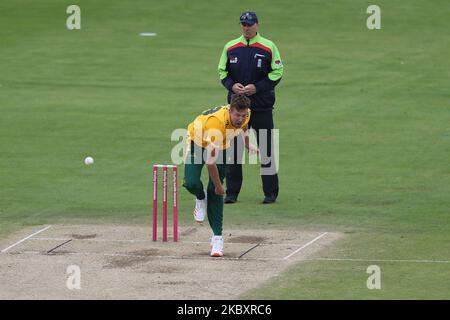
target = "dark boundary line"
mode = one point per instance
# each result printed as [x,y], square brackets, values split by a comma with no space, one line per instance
[248,250]
[60,245]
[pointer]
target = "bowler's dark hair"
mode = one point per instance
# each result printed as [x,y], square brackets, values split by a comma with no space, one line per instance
[239,102]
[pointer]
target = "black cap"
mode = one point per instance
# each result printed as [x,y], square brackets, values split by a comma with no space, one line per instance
[248,17]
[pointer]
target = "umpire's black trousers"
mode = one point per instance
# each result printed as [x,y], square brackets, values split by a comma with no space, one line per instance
[258,120]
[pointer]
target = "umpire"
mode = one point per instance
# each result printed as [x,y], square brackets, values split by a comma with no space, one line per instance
[251,65]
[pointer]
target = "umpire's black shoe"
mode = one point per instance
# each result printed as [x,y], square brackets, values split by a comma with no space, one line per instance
[269,199]
[230,199]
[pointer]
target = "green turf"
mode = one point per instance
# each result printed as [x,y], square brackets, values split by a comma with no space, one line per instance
[363,117]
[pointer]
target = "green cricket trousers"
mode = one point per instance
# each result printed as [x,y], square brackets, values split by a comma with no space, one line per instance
[193,166]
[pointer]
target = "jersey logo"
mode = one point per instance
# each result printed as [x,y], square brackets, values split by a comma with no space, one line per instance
[233,59]
[212,110]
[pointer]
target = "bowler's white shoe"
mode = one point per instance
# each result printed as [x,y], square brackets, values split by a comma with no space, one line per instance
[216,246]
[200,209]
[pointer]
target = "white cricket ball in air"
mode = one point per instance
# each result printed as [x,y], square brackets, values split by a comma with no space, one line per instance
[88,161]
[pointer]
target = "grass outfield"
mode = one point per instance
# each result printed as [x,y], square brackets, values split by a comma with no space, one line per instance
[363,117]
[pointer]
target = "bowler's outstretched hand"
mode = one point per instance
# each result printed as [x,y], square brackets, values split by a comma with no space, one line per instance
[220,191]
[252,149]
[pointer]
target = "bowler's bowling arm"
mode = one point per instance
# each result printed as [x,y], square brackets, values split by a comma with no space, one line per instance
[250,147]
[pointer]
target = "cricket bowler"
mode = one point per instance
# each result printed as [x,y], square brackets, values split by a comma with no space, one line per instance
[208,139]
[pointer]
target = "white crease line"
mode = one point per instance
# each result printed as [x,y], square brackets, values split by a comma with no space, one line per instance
[305,245]
[222,258]
[382,260]
[100,240]
[49,239]
[24,239]
[144,256]
[151,241]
